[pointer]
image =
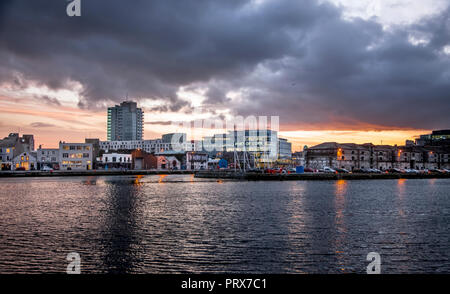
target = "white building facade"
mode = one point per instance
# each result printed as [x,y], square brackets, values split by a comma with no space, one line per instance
[47,157]
[24,161]
[150,146]
[75,156]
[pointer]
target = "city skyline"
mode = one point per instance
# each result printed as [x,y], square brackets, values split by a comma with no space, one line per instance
[332,70]
[46,136]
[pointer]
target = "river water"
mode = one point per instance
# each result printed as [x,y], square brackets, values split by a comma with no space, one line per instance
[179,224]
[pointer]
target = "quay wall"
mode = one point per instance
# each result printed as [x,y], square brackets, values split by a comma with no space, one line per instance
[316,176]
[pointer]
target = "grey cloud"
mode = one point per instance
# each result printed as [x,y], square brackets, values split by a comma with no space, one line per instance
[296,59]
[41,125]
[159,122]
[48,100]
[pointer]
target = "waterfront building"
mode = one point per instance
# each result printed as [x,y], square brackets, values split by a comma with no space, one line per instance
[125,122]
[47,157]
[115,160]
[142,160]
[12,146]
[383,157]
[25,161]
[95,149]
[196,160]
[351,156]
[284,149]
[173,163]
[214,144]
[436,138]
[192,145]
[150,146]
[75,156]
[168,163]
[262,146]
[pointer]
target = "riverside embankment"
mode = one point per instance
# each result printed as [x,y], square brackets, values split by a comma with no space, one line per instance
[315,176]
[10,174]
[231,175]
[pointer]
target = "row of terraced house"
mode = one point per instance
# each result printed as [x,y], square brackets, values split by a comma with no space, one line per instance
[429,155]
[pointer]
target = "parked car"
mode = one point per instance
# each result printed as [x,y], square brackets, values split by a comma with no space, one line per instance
[47,168]
[292,171]
[309,170]
[327,169]
[396,171]
[270,171]
[341,170]
[20,168]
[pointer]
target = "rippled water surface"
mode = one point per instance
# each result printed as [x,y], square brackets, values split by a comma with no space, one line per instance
[165,224]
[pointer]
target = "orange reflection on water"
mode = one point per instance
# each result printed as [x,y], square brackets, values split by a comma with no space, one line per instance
[136,181]
[340,191]
[401,196]
[220,181]
[161,177]
[91,180]
[339,204]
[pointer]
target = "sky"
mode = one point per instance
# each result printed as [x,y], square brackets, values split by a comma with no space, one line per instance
[333,70]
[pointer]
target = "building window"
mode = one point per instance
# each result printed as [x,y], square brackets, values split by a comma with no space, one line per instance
[65,147]
[65,155]
[85,155]
[72,147]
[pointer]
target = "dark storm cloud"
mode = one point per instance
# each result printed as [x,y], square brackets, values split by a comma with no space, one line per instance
[296,59]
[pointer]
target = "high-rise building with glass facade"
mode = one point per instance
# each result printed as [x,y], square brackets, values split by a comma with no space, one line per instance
[125,122]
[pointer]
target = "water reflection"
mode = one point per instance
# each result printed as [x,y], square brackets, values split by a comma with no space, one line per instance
[137,180]
[120,243]
[161,178]
[401,196]
[90,181]
[128,224]
[339,204]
